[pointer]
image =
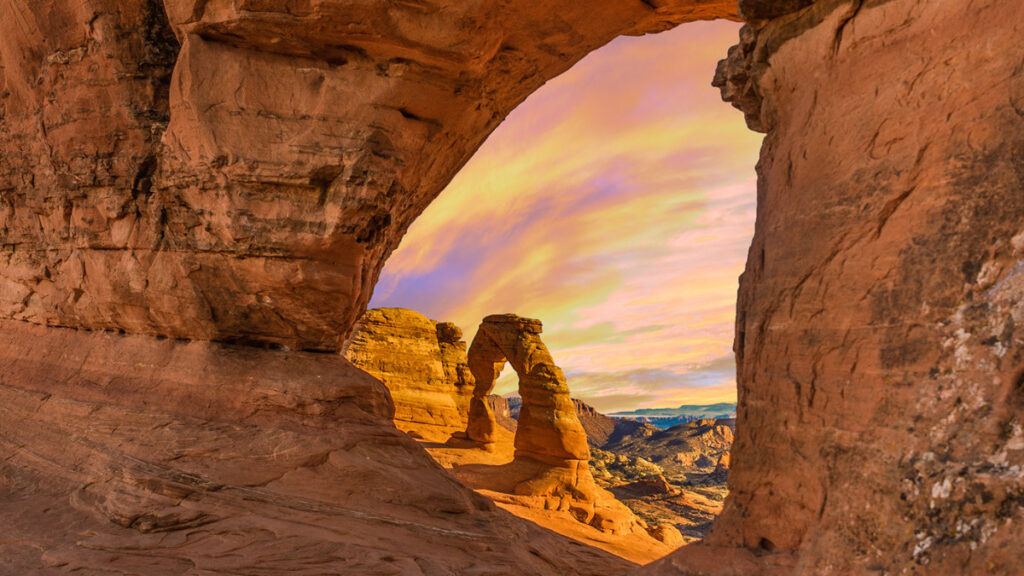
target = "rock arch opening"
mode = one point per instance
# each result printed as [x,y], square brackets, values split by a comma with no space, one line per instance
[655,205]
[882,300]
[548,430]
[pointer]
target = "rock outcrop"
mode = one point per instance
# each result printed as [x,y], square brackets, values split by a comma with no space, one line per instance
[132,455]
[502,413]
[599,427]
[550,468]
[423,364]
[252,196]
[692,447]
[548,430]
[877,332]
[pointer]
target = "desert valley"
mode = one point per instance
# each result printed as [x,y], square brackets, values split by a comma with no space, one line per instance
[673,482]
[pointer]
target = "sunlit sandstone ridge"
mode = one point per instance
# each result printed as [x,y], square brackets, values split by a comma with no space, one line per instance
[541,472]
[423,364]
[253,196]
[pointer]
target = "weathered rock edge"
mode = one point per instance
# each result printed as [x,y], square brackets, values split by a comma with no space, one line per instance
[134,455]
[253,194]
[877,335]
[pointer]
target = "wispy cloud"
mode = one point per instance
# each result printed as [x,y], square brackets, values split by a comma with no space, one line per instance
[616,205]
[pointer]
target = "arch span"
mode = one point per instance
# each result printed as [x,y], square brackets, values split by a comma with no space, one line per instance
[879,314]
[549,430]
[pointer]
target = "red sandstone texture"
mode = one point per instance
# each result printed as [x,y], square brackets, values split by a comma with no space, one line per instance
[550,468]
[422,363]
[253,194]
[131,455]
[879,425]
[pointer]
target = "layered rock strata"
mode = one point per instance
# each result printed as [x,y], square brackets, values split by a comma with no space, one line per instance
[423,363]
[551,460]
[877,335]
[252,195]
[548,429]
[132,455]
[502,413]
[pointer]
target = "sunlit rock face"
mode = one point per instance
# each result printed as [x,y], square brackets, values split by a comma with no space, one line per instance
[550,469]
[253,196]
[423,364]
[135,455]
[238,171]
[878,341]
[548,429]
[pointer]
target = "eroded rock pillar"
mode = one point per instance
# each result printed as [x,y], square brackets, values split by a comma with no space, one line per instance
[548,430]
[878,331]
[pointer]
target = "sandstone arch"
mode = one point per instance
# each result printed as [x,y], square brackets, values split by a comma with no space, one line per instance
[877,330]
[548,430]
[550,468]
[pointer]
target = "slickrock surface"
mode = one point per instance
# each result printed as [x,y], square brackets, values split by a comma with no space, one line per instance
[253,196]
[129,455]
[422,363]
[487,470]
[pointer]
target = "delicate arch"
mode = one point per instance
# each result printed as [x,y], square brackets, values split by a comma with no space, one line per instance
[549,430]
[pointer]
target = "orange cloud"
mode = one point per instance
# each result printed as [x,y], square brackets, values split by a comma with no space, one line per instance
[616,205]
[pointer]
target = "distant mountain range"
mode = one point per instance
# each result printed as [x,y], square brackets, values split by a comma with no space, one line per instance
[667,417]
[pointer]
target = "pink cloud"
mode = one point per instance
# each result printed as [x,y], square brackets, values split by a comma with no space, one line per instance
[616,205]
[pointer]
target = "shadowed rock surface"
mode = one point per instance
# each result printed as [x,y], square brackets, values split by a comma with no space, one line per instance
[879,420]
[252,196]
[131,455]
[502,413]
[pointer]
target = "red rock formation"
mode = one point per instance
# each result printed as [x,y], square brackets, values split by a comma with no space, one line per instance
[501,412]
[134,455]
[550,468]
[548,430]
[668,534]
[254,197]
[879,357]
[422,363]
[251,198]
[599,427]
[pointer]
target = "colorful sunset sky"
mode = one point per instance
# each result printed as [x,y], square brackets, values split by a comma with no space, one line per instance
[616,205]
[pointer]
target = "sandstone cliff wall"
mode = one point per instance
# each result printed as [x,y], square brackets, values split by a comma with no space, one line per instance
[422,363]
[877,334]
[253,195]
[237,171]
